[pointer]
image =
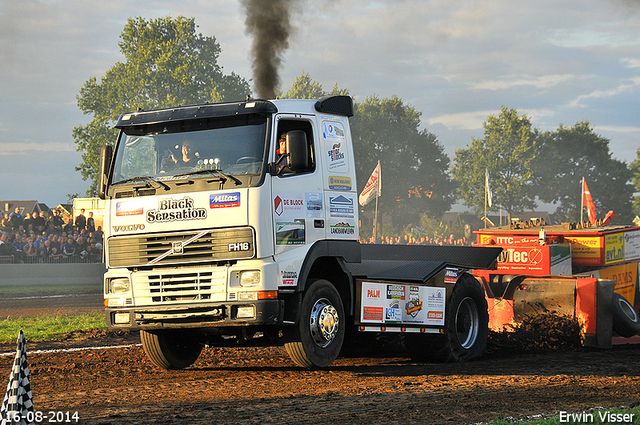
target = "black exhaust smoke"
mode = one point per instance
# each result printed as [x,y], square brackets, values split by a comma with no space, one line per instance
[269,22]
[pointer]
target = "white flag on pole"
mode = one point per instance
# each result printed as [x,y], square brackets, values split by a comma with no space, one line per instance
[372,188]
[488,188]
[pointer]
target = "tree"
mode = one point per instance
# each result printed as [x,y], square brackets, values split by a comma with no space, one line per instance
[414,164]
[568,155]
[166,64]
[507,151]
[415,179]
[635,169]
[306,88]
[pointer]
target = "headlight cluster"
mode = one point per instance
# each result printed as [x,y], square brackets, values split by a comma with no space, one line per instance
[250,278]
[118,285]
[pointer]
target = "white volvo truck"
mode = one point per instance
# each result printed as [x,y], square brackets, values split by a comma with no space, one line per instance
[215,235]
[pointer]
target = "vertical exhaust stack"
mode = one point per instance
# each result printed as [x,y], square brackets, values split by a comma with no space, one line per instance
[270,25]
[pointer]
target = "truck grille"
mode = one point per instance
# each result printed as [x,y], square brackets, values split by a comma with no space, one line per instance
[180,287]
[175,286]
[181,247]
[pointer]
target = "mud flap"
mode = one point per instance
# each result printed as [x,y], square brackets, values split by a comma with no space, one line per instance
[594,309]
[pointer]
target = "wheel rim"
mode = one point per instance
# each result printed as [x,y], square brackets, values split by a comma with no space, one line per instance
[324,322]
[467,323]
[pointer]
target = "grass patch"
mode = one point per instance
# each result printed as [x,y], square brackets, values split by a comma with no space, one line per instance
[593,416]
[63,289]
[46,328]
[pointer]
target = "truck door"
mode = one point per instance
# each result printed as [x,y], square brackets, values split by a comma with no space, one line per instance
[298,209]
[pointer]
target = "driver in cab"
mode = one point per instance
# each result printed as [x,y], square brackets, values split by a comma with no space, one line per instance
[185,157]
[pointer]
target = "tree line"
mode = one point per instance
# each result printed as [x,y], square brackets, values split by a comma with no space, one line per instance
[168,63]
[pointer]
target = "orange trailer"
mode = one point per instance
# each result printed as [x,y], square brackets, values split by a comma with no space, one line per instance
[590,273]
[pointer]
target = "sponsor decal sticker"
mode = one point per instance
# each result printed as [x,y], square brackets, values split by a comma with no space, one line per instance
[332,131]
[290,231]
[340,183]
[413,307]
[336,156]
[224,200]
[343,228]
[395,292]
[125,209]
[450,275]
[341,207]
[397,303]
[373,293]
[315,208]
[614,248]
[289,205]
[289,278]
[632,245]
[373,314]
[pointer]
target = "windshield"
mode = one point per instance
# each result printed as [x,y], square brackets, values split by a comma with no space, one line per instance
[178,150]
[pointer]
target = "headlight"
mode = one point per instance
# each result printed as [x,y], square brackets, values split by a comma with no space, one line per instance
[118,286]
[250,278]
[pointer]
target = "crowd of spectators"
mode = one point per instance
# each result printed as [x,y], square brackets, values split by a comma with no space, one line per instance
[42,238]
[414,240]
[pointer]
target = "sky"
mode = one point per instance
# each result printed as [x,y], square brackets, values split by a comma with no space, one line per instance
[457,62]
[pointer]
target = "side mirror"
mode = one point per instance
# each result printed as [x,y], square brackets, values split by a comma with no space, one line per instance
[103,172]
[298,150]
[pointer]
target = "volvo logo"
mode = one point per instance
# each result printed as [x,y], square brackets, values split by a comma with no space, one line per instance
[177,247]
[129,228]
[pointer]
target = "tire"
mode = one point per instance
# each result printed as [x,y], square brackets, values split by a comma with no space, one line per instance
[317,338]
[466,327]
[170,349]
[625,319]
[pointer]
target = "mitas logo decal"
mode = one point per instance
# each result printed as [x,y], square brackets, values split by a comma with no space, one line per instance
[225,200]
[451,275]
[176,210]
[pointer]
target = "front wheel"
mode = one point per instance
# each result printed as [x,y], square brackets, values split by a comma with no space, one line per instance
[170,349]
[319,334]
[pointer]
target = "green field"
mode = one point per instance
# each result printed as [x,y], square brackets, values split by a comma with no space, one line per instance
[46,328]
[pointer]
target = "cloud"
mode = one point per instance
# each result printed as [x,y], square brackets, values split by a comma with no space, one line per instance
[597,94]
[631,62]
[31,147]
[619,129]
[541,82]
[463,121]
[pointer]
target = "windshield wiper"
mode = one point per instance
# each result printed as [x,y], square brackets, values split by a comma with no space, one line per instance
[145,178]
[224,176]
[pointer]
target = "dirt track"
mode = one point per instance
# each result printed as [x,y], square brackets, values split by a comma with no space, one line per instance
[261,385]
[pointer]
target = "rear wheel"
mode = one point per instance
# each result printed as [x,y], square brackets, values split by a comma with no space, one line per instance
[625,319]
[466,327]
[170,349]
[319,334]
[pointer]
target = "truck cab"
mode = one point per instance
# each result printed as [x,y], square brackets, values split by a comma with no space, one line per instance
[212,229]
